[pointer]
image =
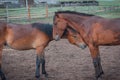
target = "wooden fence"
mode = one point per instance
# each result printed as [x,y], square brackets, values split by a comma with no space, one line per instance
[45,12]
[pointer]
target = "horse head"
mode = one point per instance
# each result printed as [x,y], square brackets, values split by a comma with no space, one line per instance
[75,38]
[59,26]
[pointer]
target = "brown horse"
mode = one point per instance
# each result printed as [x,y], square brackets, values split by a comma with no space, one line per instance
[31,36]
[94,31]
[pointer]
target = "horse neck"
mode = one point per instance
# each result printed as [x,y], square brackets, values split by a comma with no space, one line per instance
[78,25]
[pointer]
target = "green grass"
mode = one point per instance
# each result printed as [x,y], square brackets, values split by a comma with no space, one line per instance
[109,3]
[38,14]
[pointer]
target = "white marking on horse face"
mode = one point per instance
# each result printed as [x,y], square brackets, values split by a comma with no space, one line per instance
[82,45]
[57,37]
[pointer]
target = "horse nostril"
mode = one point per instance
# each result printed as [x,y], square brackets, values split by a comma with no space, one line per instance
[83,46]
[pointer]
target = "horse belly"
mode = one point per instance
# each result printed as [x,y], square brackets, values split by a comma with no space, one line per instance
[20,45]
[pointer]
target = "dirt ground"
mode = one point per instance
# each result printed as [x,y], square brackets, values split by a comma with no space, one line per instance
[63,62]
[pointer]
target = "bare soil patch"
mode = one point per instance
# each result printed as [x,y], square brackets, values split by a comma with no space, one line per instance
[63,62]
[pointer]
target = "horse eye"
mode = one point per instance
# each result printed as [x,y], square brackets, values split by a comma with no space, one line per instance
[74,36]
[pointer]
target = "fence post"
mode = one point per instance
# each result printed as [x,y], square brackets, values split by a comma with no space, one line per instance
[46,10]
[29,16]
[7,14]
[28,10]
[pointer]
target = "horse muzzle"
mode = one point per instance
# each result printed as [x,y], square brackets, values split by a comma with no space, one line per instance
[57,37]
[82,45]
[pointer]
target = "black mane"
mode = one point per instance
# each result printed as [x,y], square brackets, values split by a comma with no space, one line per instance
[73,12]
[46,28]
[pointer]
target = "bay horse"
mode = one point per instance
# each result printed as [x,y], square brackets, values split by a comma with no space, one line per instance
[94,31]
[31,36]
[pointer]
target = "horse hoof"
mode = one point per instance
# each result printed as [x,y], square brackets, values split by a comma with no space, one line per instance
[4,79]
[99,79]
[38,79]
[46,78]
[37,76]
[46,75]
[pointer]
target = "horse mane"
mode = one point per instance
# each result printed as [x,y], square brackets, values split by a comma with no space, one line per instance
[73,12]
[46,28]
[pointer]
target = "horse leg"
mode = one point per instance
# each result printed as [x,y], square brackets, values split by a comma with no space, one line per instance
[43,67]
[40,60]
[1,72]
[2,75]
[96,61]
